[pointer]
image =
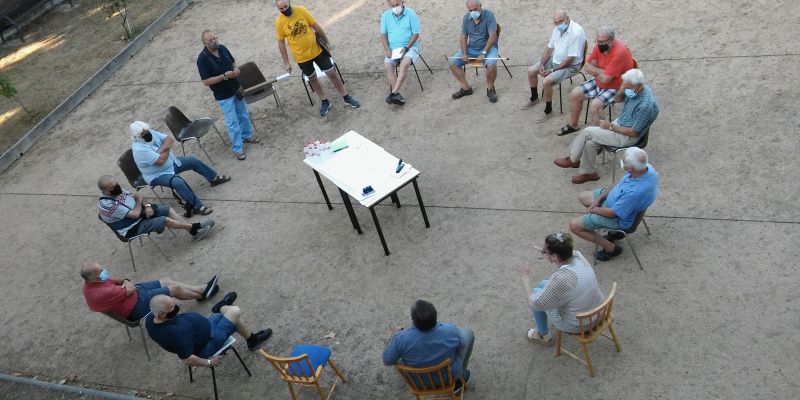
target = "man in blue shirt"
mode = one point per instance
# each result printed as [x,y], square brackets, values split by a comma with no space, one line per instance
[617,209]
[633,123]
[218,71]
[429,342]
[399,30]
[478,42]
[195,338]
[152,152]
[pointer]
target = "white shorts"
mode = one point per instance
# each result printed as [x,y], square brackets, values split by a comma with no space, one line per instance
[412,53]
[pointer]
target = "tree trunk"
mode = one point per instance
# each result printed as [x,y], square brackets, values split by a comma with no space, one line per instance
[22,104]
[127,22]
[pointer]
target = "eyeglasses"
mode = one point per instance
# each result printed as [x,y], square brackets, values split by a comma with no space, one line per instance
[607,41]
[622,164]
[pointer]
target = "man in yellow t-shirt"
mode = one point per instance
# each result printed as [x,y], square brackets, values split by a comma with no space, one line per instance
[296,25]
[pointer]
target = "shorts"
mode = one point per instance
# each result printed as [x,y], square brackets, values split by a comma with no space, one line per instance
[221,330]
[560,75]
[156,223]
[593,222]
[144,292]
[323,61]
[473,53]
[590,90]
[412,53]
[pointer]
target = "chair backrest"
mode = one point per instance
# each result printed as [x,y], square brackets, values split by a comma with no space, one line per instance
[120,319]
[637,221]
[176,121]
[642,143]
[120,237]
[635,63]
[585,48]
[293,369]
[498,32]
[436,379]
[128,166]
[592,323]
[250,75]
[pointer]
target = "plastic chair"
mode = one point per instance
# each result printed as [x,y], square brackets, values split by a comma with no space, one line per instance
[436,381]
[593,323]
[319,74]
[225,347]
[642,143]
[254,84]
[184,129]
[476,64]
[413,64]
[131,324]
[303,367]
[128,166]
[609,106]
[128,240]
[639,219]
[580,71]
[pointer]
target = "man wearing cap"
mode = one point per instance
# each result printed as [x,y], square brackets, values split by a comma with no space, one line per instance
[152,151]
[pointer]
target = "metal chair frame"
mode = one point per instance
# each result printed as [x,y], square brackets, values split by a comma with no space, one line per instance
[305,79]
[173,111]
[626,232]
[139,236]
[227,346]
[132,324]
[413,64]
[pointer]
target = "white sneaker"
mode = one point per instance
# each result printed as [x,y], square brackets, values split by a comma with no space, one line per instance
[535,336]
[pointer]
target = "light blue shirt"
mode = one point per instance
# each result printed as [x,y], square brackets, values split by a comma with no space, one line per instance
[400,29]
[639,112]
[632,195]
[424,349]
[478,34]
[146,153]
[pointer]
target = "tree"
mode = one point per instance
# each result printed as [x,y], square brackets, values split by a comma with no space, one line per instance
[114,7]
[7,89]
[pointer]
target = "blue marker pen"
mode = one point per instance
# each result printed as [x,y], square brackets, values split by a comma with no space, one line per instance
[400,166]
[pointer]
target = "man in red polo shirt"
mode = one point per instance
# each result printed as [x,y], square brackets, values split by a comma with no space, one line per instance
[104,293]
[609,59]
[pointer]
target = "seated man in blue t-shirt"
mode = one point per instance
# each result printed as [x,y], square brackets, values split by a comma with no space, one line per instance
[478,42]
[195,338]
[429,342]
[617,209]
[400,38]
[152,151]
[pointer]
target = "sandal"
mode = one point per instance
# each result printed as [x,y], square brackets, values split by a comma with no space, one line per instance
[566,129]
[219,180]
[203,210]
[241,156]
[252,140]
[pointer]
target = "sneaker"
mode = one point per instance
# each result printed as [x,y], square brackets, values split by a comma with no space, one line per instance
[211,288]
[460,384]
[613,236]
[389,98]
[226,301]
[351,101]
[492,94]
[544,117]
[205,226]
[535,336]
[530,104]
[257,339]
[603,256]
[398,99]
[461,93]
[324,108]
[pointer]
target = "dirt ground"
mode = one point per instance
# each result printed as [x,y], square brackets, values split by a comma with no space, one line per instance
[61,50]
[713,314]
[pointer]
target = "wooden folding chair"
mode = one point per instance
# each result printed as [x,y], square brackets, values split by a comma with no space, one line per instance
[476,64]
[592,325]
[436,381]
[304,367]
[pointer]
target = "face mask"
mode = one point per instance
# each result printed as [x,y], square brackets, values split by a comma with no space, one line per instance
[397,10]
[629,93]
[103,276]
[116,190]
[147,136]
[213,45]
[603,47]
[287,12]
[562,27]
[475,14]
[173,313]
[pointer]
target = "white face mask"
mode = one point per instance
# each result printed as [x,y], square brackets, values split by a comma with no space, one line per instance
[397,10]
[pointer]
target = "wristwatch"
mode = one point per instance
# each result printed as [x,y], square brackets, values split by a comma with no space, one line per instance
[483,52]
[224,76]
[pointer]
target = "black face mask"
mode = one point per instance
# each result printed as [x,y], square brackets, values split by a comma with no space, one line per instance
[173,313]
[287,12]
[116,190]
[602,47]
[147,136]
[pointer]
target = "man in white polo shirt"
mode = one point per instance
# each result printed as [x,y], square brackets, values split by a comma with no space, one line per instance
[560,60]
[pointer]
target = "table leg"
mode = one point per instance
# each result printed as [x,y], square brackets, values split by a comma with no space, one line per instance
[324,193]
[350,212]
[380,232]
[396,200]
[421,205]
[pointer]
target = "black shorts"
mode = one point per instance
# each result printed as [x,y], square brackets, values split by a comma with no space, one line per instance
[323,61]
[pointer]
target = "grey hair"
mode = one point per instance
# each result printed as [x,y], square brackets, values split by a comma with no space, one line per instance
[203,35]
[634,77]
[635,158]
[609,30]
[478,2]
[103,181]
[562,13]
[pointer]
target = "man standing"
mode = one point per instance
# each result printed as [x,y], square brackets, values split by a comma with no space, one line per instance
[152,152]
[297,26]
[400,38]
[478,41]
[218,71]
[561,59]
[609,59]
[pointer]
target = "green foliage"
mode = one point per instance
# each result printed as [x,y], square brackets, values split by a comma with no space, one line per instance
[7,89]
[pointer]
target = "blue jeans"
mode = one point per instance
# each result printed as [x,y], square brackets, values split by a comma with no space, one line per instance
[541,316]
[237,120]
[180,186]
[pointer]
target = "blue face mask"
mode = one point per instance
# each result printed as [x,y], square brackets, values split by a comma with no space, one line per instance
[103,275]
[629,93]
[562,27]
[475,14]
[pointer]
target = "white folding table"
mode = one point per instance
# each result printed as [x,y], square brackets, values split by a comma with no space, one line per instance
[364,163]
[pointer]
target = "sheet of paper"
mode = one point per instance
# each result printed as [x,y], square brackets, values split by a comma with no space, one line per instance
[397,53]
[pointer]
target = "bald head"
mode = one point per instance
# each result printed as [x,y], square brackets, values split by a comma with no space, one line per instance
[473,3]
[161,304]
[281,3]
[106,183]
[90,271]
[560,14]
